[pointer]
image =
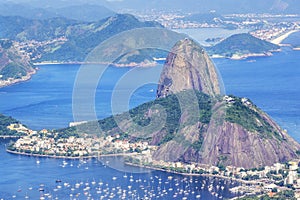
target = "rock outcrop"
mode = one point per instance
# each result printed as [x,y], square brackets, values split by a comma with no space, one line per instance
[188,67]
[254,140]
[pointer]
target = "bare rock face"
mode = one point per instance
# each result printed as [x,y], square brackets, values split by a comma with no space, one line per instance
[230,143]
[188,67]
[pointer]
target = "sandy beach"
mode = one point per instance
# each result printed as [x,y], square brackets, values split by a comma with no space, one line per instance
[279,39]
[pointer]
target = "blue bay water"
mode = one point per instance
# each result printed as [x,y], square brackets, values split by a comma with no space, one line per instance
[23,177]
[46,102]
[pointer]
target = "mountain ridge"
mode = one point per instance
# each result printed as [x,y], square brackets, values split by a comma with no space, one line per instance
[65,40]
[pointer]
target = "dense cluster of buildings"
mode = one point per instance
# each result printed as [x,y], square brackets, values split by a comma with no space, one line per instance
[52,144]
[30,48]
[265,180]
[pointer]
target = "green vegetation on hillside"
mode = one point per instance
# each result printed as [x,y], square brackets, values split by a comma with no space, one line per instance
[80,37]
[12,63]
[243,43]
[140,117]
[284,195]
[248,117]
[4,122]
[12,70]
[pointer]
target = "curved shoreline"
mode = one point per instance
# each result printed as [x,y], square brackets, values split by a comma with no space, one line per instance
[193,174]
[69,157]
[49,156]
[282,37]
[132,64]
[27,77]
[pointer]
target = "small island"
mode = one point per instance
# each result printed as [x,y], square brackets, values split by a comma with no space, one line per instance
[241,46]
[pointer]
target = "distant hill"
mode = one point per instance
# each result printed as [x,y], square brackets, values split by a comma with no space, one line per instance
[240,45]
[14,66]
[22,29]
[84,12]
[23,10]
[70,40]
[83,40]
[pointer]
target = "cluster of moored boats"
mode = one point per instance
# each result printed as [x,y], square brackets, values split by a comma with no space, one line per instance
[132,186]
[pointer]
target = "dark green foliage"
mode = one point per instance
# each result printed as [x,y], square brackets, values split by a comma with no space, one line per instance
[242,44]
[6,121]
[66,133]
[284,195]
[18,28]
[248,118]
[84,37]
[173,110]
[13,70]
[107,123]
[12,63]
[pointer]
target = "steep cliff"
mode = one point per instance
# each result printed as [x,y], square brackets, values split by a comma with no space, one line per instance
[188,67]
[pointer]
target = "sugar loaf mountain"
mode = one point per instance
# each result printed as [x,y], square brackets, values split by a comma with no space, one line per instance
[200,124]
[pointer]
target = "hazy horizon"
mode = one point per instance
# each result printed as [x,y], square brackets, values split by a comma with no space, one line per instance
[200,6]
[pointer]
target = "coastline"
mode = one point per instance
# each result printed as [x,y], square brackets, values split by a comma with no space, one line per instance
[193,174]
[279,39]
[28,76]
[245,56]
[10,82]
[134,165]
[69,157]
[132,64]
[49,156]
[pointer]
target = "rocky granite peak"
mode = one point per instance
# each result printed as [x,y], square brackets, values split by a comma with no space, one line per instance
[188,67]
